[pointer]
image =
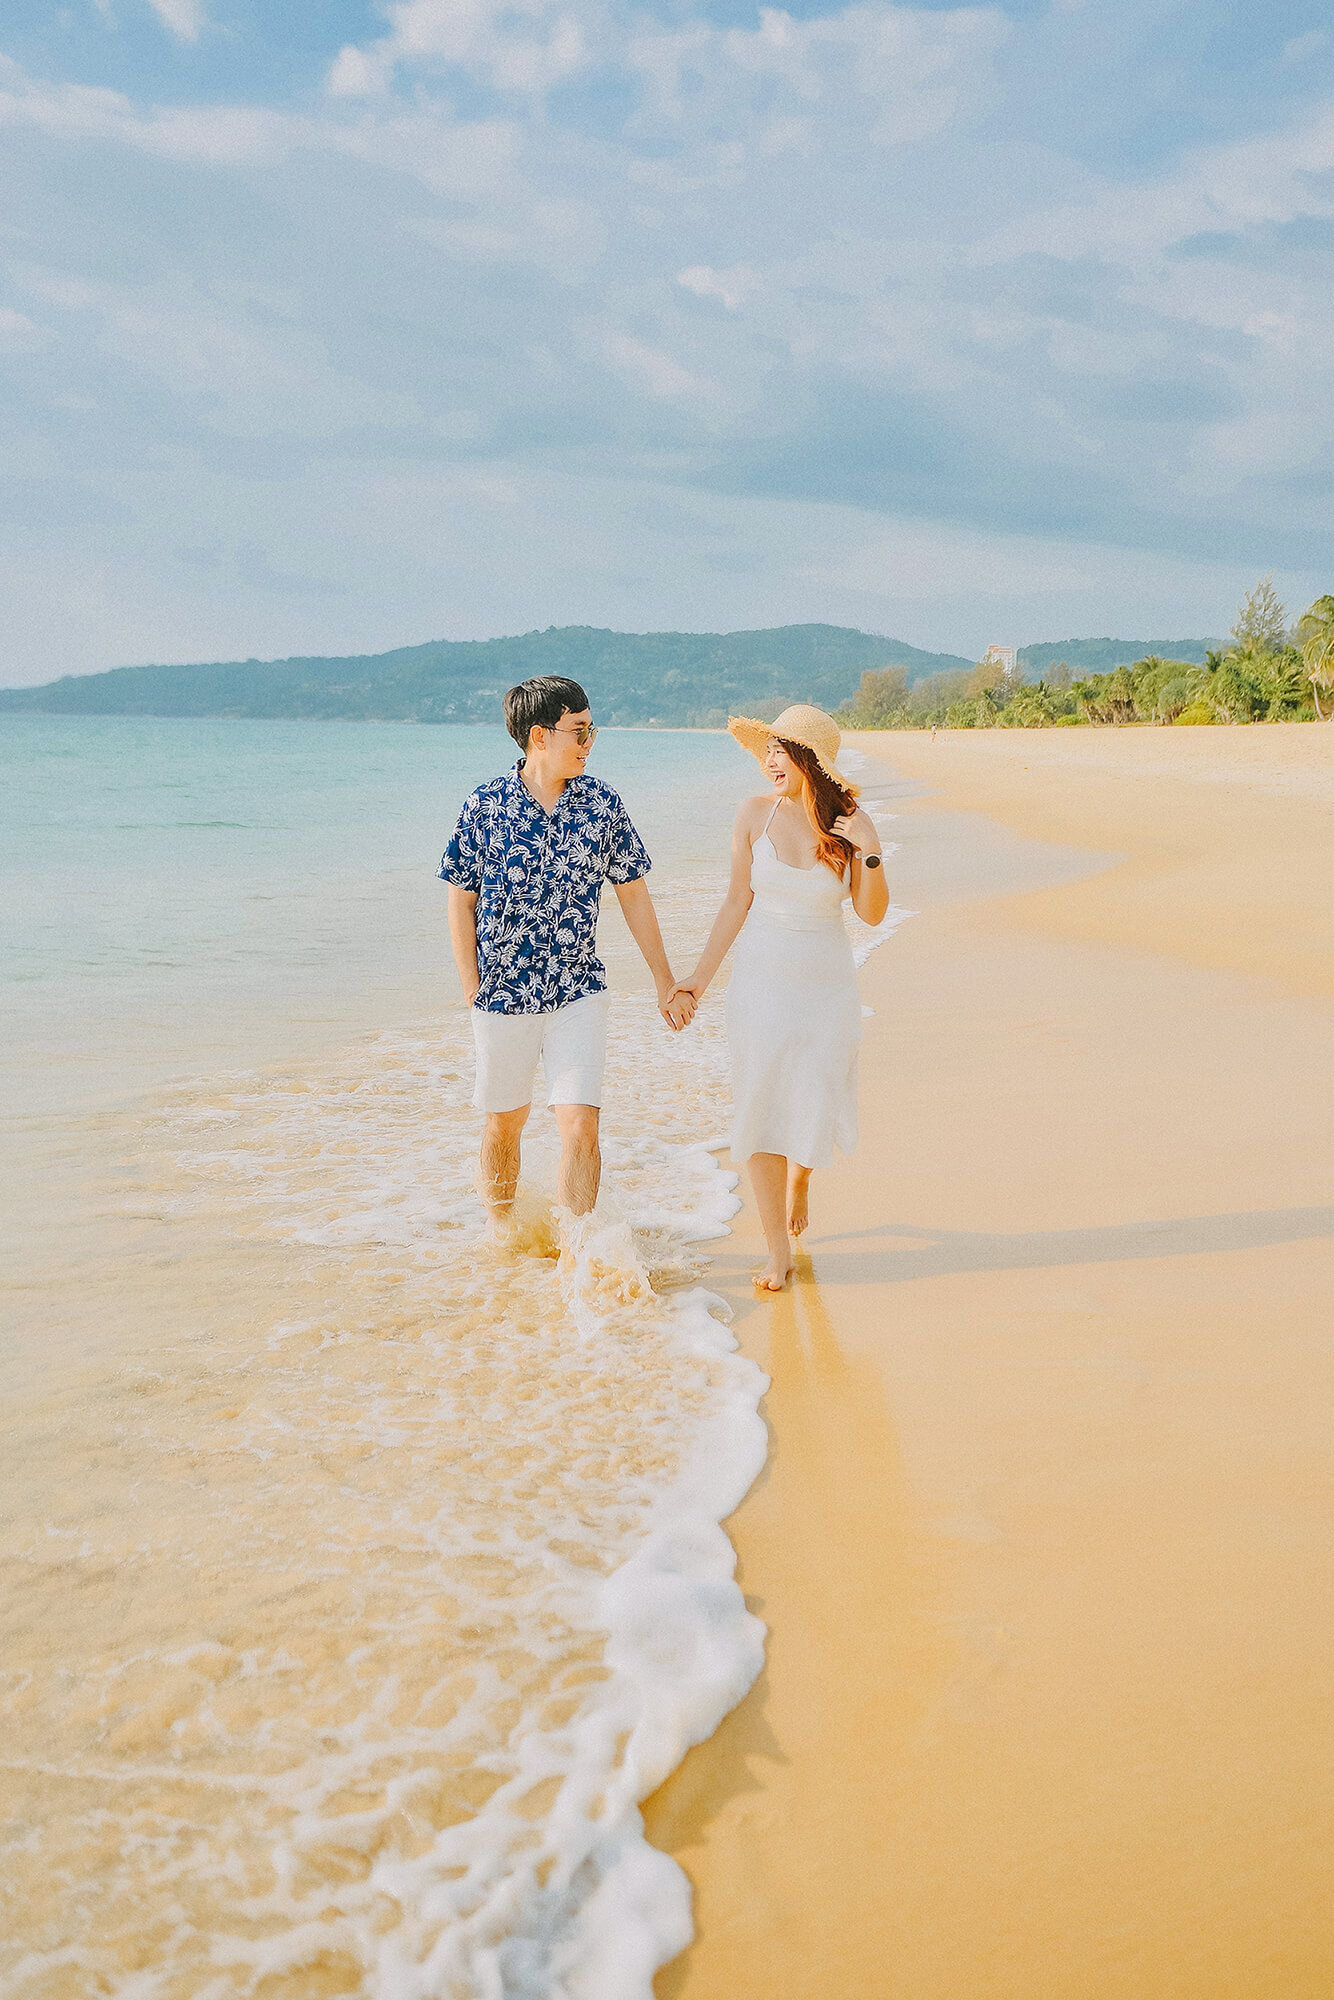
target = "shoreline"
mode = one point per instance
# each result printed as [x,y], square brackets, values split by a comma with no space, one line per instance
[628,728]
[1041,1541]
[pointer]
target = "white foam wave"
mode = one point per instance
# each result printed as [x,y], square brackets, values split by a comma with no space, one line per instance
[443,1592]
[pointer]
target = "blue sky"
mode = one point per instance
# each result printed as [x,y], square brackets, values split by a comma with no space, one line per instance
[332,329]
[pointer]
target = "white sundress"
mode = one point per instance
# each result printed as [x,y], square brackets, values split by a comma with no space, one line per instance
[794,1018]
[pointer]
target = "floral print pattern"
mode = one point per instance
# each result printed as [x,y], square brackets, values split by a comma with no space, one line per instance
[538,881]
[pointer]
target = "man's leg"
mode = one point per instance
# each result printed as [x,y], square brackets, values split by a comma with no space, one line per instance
[580,1160]
[573,1055]
[507,1051]
[500,1159]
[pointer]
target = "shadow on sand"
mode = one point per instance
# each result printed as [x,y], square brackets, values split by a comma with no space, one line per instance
[943,1253]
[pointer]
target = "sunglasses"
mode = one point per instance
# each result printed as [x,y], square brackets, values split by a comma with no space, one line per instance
[583,732]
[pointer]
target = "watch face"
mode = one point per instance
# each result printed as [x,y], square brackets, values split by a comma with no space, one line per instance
[871,861]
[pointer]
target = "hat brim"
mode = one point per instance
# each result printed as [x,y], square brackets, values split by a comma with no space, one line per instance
[757,736]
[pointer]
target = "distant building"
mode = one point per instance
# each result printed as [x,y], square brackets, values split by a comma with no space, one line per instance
[1004,657]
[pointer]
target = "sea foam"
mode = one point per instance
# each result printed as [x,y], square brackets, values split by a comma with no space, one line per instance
[410,1581]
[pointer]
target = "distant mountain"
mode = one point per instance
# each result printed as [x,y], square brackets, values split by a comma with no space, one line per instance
[685,679]
[1100,656]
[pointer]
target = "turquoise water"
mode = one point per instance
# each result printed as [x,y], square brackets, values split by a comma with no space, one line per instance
[180,892]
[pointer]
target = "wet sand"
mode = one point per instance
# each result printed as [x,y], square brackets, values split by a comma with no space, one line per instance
[1043,1541]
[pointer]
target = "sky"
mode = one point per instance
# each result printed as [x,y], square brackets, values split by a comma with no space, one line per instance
[330,328]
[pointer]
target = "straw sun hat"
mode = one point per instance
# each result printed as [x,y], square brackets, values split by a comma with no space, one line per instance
[798,724]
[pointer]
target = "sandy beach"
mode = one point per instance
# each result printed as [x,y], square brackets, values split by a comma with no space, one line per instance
[1043,1541]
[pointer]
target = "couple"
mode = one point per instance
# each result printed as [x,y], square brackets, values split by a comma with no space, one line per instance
[525,869]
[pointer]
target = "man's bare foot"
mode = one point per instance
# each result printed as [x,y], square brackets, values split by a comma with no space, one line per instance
[500,1230]
[774,1277]
[798,1204]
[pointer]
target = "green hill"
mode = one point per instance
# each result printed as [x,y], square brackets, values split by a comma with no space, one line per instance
[672,678]
[1102,656]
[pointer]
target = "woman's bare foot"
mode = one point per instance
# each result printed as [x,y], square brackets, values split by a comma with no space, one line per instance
[798,1200]
[774,1277]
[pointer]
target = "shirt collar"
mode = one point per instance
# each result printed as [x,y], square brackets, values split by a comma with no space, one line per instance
[518,789]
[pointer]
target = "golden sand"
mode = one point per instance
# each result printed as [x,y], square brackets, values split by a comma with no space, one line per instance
[1227,835]
[1044,1541]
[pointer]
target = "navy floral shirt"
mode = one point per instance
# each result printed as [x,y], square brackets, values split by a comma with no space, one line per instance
[538,880]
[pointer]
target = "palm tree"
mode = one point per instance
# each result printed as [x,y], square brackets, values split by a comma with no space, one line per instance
[1233,694]
[1173,696]
[1318,654]
[1315,635]
[1119,694]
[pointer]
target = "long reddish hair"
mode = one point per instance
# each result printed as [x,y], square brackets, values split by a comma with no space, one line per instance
[826,801]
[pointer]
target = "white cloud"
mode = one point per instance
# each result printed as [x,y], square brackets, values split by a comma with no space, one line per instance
[1237,185]
[907,561]
[472,162]
[424,144]
[19,335]
[563,238]
[1269,440]
[517,45]
[356,74]
[184,18]
[218,135]
[648,368]
[241,374]
[732,288]
[1302,47]
[902,74]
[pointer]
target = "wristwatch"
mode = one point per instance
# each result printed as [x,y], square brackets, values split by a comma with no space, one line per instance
[870,861]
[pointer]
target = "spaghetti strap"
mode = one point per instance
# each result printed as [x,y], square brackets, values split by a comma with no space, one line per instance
[769,822]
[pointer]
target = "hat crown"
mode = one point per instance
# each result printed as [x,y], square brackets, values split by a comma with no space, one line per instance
[800,723]
[803,724]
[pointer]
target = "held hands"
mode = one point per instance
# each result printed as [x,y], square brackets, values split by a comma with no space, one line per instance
[676,1004]
[680,1004]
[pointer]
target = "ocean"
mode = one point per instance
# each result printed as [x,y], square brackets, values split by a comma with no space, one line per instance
[359,1578]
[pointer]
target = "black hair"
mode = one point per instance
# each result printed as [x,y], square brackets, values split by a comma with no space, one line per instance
[540,703]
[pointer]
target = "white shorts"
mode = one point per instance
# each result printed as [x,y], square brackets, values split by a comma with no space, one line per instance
[572,1043]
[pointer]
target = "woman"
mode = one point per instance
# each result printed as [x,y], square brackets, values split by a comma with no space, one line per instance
[793,1011]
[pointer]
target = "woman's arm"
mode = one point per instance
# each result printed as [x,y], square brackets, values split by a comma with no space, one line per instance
[870,891]
[735,905]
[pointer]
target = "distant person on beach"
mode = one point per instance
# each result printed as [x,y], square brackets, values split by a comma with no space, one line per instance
[793,1011]
[525,869]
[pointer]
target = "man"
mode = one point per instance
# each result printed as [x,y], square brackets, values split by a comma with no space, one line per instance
[525,869]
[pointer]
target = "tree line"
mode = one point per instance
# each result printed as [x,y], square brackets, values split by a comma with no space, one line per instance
[672,679]
[1269,673]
